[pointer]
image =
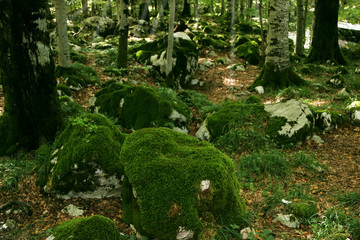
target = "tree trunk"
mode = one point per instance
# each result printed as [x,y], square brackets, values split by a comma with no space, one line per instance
[262,31]
[277,72]
[299,28]
[123,35]
[249,7]
[196,9]
[144,13]
[222,7]
[32,113]
[325,43]
[186,11]
[170,48]
[62,35]
[85,8]
[108,9]
[242,10]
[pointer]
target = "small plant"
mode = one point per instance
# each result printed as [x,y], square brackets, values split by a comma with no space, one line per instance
[349,199]
[306,160]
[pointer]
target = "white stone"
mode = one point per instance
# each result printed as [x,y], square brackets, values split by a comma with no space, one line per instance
[122,101]
[194,81]
[204,185]
[161,61]
[353,105]
[203,133]
[285,201]
[184,234]
[51,237]
[356,116]
[213,54]
[288,220]
[92,101]
[317,139]
[54,160]
[73,210]
[175,115]
[259,90]
[182,35]
[326,119]
[246,232]
[295,112]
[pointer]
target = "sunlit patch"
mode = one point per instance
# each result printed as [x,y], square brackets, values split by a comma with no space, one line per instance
[229,81]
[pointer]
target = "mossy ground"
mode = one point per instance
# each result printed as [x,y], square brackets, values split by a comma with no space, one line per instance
[166,174]
[88,139]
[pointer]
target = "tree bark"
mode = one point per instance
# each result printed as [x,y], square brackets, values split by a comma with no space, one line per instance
[144,13]
[325,43]
[123,36]
[277,72]
[170,47]
[299,28]
[242,10]
[186,11]
[62,35]
[32,113]
[85,8]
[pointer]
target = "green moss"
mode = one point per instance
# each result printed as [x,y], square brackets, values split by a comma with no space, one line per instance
[90,141]
[78,75]
[166,169]
[241,39]
[197,100]
[215,43]
[253,99]
[95,227]
[142,56]
[65,90]
[139,107]
[249,51]
[304,209]
[78,57]
[69,108]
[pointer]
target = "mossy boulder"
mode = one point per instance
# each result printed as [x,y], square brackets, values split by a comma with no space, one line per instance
[141,107]
[354,111]
[172,180]
[249,51]
[99,26]
[185,59]
[84,228]
[291,122]
[85,159]
[77,76]
[327,120]
[303,209]
[214,41]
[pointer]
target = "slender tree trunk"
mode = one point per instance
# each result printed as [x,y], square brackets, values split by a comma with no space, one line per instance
[186,11]
[123,35]
[62,35]
[117,4]
[277,72]
[299,28]
[85,8]
[242,10]
[32,112]
[305,17]
[222,7]
[144,13]
[196,9]
[108,9]
[249,7]
[170,48]
[262,32]
[325,43]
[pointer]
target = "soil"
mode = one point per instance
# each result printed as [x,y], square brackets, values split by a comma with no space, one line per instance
[339,152]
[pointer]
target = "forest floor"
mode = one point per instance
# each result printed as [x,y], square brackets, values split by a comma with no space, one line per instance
[339,154]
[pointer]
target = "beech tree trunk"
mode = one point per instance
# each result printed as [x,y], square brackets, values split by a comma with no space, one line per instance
[62,35]
[170,47]
[277,72]
[144,13]
[325,43]
[186,11]
[85,8]
[299,28]
[242,10]
[32,113]
[123,35]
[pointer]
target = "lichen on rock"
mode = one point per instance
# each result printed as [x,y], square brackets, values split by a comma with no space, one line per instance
[177,179]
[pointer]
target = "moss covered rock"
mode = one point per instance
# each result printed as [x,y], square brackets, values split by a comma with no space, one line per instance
[85,159]
[95,227]
[291,122]
[327,120]
[140,107]
[185,59]
[303,209]
[250,51]
[172,180]
[99,26]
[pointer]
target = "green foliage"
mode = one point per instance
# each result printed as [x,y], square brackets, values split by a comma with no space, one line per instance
[78,75]
[69,108]
[305,160]
[166,173]
[303,209]
[89,141]
[14,169]
[197,100]
[94,227]
[78,57]
[256,166]
[350,198]
[297,92]
[239,127]
[64,90]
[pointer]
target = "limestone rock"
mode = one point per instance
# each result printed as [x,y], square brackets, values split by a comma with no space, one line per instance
[291,122]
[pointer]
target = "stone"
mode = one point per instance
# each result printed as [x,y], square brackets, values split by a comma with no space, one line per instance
[99,26]
[288,220]
[208,63]
[93,227]
[203,133]
[177,178]
[213,54]
[247,232]
[317,139]
[84,160]
[73,210]
[259,90]
[138,107]
[237,67]
[291,121]
[249,51]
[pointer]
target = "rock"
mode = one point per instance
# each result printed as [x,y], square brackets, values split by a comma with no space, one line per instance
[336,81]
[223,61]
[317,139]
[288,220]
[94,227]
[138,107]
[84,160]
[259,90]
[247,232]
[9,225]
[343,92]
[185,64]
[303,209]
[326,120]
[208,63]
[194,81]
[203,133]
[291,121]
[213,54]
[99,26]
[354,109]
[249,51]
[177,178]
[73,210]
[237,67]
